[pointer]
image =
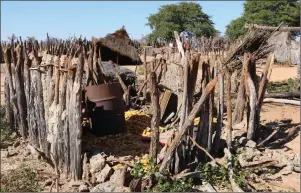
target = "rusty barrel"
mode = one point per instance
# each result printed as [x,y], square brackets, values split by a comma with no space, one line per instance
[108,113]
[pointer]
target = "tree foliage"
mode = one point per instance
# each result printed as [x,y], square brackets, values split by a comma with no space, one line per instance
[270,13]
[185,16]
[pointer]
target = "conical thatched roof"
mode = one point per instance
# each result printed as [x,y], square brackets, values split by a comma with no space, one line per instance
[286,48]
[119,43]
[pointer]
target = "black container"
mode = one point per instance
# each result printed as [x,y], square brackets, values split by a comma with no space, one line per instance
[107,113]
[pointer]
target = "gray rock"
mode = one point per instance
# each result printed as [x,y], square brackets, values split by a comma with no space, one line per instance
[83,188]
[4,154]
[251,143]
[105,174]
[109,187]
[97,163]
[117,177]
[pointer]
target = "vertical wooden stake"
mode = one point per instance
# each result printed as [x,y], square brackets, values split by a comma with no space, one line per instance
[155,119]
[220,110]
[145,74]
[229,111]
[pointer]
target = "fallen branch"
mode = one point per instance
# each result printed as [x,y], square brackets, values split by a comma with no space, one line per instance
[266,163]
[269,137]
[204,150]
[195,174]
[284,101]
[277,95]
[111,159]
[170,116]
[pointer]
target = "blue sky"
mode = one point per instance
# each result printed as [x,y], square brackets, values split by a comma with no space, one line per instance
[96,18]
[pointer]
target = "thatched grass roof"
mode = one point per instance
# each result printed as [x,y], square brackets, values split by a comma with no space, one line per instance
[286,48]
[119,43]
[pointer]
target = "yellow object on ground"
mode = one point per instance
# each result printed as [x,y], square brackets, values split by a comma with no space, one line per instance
[197,121]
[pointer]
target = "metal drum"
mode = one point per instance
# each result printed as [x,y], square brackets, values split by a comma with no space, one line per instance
[107,115]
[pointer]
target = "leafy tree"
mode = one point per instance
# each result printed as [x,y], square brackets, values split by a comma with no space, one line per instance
[185,16]
[270,13]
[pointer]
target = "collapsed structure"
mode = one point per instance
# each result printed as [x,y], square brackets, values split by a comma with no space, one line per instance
[60,76]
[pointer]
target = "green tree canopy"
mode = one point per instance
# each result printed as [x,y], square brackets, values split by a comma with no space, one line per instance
[185,16]
[270,13]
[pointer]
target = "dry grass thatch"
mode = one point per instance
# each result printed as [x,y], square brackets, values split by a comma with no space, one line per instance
[286,49]
[120,43]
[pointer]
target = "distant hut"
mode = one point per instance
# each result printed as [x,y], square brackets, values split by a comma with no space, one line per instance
[286,48]
[119,48]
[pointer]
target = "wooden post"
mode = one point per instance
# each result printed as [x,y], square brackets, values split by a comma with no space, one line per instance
[220,111]
[74,121]
[229,112]
[38,110]
[203,127]
[241,97]
[252,101]
[13,99]
[155,118]
[145,74]
[265,80]
[211,108]
[21,100]
[184,99]
[9,112]
[187,123]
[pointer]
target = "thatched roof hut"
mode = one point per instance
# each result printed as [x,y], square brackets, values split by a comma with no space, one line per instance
[119,45]
[286,48]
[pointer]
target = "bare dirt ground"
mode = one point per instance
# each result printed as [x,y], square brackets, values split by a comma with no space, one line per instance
[270,113]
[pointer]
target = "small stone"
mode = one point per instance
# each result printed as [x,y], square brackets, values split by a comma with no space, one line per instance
[105,173]
[97,163]
[4,154]
[291,156]
[109,187]
[16,144]
[251,143]
[117,177]
[83,188]
[48,182]
[26,153]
